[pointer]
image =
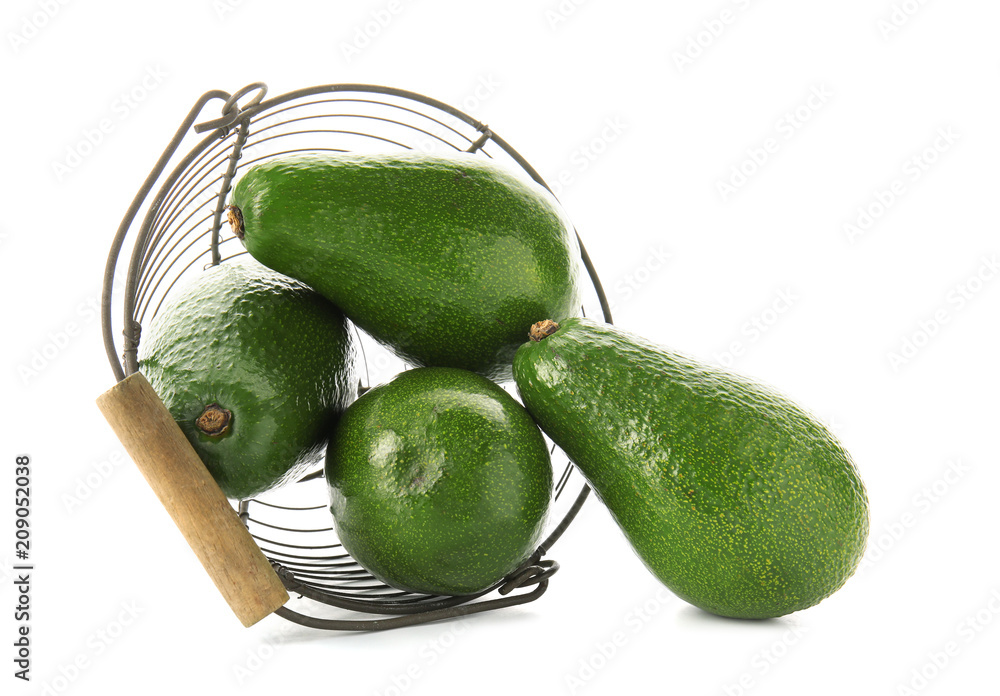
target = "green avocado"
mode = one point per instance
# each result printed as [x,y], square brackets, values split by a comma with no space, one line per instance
[440,482]
[255,368]
[734,497]
[445,260]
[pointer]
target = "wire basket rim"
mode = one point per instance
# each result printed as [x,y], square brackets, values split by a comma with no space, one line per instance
[228,133]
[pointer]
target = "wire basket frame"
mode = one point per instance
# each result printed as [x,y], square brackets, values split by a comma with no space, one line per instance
[175,224]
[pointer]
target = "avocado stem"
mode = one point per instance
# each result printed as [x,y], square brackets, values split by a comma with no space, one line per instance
[235,217]
[214,420]
[540,330]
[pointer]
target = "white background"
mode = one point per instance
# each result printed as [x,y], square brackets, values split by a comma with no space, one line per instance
[641,111]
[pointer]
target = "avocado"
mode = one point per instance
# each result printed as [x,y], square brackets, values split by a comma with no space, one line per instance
[440,482]
[255,368]
[445,260]
[737,499]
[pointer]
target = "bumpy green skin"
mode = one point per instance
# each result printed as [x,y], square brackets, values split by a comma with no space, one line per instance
[265,347]
[440,482]
[734,497]
[447,261]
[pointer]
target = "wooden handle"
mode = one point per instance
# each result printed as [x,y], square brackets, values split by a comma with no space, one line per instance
[194,500]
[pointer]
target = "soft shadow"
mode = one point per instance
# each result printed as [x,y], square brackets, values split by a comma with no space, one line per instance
[693,616]
[284,631]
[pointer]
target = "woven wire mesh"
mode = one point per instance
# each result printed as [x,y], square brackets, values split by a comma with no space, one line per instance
[176,225]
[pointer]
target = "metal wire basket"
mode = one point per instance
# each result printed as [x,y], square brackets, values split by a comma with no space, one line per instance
[175,226]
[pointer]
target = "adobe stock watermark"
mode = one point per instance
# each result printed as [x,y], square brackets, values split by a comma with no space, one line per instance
[786,127]
[899,16]
[120,109]
[97,643]
[706,36]
[754,328]
[965,633]
[485,88]
[561,12]
[428,655]
[604,651]
[956,299]
[921,504]
[32,24]
[382,366]
[368,31]
[913,169]
[86,485]
[59,339]
[628,286]
[585,155]
[763,661]
[223,8]
[832,423]
[253,659]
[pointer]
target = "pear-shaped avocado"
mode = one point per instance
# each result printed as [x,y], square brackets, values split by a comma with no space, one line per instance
[734,497]
[255,368]
[445,260]
[440,482]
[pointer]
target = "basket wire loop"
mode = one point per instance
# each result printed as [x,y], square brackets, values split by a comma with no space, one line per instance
[230,112]
[315,566]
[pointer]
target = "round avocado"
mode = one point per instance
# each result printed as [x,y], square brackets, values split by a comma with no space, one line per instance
[255,368]
[440,482]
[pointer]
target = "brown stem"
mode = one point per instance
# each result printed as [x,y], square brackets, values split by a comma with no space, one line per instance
[235,217]
[214,420]
[544,328]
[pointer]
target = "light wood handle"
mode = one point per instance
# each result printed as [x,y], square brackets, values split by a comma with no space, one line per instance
[194,500]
